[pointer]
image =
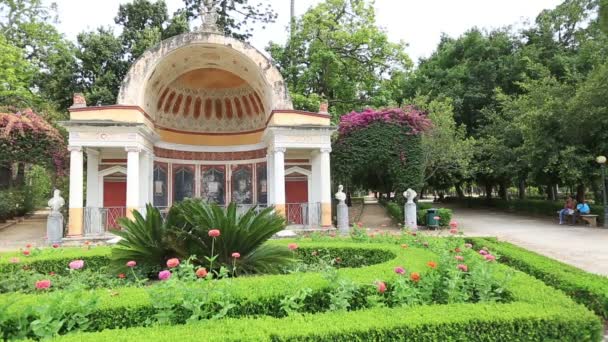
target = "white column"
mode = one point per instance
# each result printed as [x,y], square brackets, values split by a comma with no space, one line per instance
[324,174]
[151,178]
[315,188]
[278,184]
[133,181]
[76,192]
[92,178]
[144,164]
[269,177]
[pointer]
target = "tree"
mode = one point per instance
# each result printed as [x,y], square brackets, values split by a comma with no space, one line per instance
[380,150]
[336,51]
[234,16]
[16,75]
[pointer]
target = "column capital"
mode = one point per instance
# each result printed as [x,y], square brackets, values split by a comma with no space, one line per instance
[132,149]
[92,152]
[325,150]
[279,149]
[73,148]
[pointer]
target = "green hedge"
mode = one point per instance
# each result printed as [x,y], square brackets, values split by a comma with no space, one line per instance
[528,206]
[396,212]
[586,288]
[55,260]
[487,322]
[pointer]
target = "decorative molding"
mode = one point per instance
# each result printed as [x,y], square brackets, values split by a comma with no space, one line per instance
[195,148]
[133,149]
[92,151]
[75,148]
[325,149]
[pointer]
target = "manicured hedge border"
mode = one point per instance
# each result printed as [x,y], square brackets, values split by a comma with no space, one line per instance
[586,288]
[466,322]
[55,260]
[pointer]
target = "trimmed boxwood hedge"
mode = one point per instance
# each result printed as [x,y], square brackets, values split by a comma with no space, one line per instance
[537,312]
[55,260]
[586,288]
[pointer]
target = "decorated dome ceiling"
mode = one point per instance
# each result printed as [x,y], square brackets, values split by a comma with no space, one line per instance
[209,100]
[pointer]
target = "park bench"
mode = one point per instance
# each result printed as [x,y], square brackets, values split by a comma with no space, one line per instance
[588,219]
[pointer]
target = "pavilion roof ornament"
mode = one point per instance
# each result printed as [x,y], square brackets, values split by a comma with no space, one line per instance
[209,17]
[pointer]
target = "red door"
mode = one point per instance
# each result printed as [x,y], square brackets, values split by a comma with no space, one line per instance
[114,202]
[296,198]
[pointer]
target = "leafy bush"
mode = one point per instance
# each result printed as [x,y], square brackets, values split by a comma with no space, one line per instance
[152,241]
[588,289]
[528,206]
[15,202]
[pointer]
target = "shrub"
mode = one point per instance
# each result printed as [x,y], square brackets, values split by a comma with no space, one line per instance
[396,212]
[186,233]
[588,289]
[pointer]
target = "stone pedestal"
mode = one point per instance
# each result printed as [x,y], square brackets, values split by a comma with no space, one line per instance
[54,228]
[410,215]
[343,226]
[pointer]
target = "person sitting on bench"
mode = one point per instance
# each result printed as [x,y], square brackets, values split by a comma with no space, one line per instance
[581,209]
[568,209]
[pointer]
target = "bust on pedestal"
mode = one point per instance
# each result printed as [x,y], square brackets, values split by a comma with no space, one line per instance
[410,209]
[54,223]
[342,214]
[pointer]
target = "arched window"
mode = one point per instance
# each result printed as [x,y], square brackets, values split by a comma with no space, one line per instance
[160,190]
[183,182]
[213,184]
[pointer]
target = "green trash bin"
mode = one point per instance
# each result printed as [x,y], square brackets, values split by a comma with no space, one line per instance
[430,217]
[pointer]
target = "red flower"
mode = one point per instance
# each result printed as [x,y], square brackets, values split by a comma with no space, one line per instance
[214,233]
[121,275]
[463,267]
[381,286]
[55,245]
[173,262]
[453,230]
[29,245]
[415,277]
[43,284]
[490,257]
[236,255]
[26,252]
[453,224]
[201,272]
[457,250]
[292,246]
[432,264]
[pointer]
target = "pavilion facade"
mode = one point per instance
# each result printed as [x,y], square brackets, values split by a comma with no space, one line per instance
[201,115]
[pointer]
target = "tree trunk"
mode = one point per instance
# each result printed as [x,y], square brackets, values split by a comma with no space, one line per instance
[5,176]
[551,192]
[459,191]
[521,189]
[580,193]
[488,187]
[20,179]
[502,190]
[349,199]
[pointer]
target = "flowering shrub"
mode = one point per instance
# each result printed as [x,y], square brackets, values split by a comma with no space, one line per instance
[411,117]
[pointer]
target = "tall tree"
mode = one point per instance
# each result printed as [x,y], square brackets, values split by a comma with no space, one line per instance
[337,51]
[234,16]
[16,75]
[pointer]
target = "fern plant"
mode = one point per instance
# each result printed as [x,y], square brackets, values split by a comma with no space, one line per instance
[185,233]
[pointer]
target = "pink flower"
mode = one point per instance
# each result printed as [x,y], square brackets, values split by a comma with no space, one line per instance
[131,263]
[14,260]
[29,245]
[457,250]
[173,262]
[236,255]
[292,246]
[201,272]
[453,224]
[468,245]
[55,245]
[463,267]
[381,286]
[43,284]
[26,252]
[453,230]
[459,257]
[76,264]
[399,270]
[483,252]
[121,275]
[164,275]
[490,257]
[214,233]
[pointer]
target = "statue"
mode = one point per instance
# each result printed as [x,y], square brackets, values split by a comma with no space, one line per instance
[342,214]
[410,209]
[57,202]
[410,194]
[54,223]
[209,17]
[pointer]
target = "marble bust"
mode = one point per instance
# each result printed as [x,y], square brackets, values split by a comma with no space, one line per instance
[340,195]
[410,194]
[57,202]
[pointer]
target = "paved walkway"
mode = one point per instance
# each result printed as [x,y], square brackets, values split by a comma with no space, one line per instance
[583,247]
[31,230]
[375,217]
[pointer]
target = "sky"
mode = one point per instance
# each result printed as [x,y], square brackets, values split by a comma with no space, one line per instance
[419,23]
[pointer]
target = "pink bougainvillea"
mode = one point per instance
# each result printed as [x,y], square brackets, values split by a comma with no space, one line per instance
[416,119]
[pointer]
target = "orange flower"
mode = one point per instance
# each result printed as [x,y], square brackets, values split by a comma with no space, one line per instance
[431,264]
[415,277]
[201,272]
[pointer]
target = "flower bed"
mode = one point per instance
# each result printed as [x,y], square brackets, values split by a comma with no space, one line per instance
[324,303]
[588,289]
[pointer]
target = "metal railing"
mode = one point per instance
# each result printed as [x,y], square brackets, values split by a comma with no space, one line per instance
[98,221]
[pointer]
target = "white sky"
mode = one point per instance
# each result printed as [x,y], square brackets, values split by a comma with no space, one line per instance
[419,23]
